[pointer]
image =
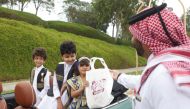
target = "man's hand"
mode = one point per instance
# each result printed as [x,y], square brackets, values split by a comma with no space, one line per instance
[114,74]
[59,103]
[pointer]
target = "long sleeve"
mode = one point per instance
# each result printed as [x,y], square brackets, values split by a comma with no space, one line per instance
[129,81]
[46,85]
[56,91]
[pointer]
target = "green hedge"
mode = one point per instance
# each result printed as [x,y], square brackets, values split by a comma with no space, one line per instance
[22,16]
[74,28]
[79,29]
[18,39]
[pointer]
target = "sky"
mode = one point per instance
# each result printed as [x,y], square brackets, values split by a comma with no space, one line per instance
[58,8]
[177,8]
[54,15]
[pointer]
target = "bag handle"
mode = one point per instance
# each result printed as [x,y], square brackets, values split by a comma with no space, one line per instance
[93,60]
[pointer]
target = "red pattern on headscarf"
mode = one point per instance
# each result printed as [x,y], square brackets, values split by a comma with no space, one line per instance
[179,70]
[150,32]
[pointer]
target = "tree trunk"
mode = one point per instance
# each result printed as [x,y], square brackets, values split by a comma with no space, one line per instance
[113,29]
[22,7]
[12,4]
[117,29]
[7,5]
[36,11]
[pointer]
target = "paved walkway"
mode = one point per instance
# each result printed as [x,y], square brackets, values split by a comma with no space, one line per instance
[131,70]
[11,85]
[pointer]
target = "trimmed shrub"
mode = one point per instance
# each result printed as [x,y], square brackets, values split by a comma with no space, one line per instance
[61,26]
[22,16]
[80,29]
[18,39]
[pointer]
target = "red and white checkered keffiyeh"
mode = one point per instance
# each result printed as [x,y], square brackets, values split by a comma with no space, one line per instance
[150,32]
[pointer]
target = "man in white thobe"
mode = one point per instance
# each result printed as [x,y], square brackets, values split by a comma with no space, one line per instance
[165,81]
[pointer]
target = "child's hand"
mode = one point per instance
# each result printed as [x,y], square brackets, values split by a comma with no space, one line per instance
[63,88]
[59,104]
[85,83]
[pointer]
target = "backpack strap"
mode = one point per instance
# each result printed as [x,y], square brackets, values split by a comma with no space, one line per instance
[50,90]
[40,79]
[73,70]
[32,73]
[60,75]
[69,96]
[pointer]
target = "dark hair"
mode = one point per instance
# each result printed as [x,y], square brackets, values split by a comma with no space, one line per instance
[67,47]
[39,52]
[83,62]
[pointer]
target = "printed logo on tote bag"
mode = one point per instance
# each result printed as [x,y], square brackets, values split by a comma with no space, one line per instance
[98,86]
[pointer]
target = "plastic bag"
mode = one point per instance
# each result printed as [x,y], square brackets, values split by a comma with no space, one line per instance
[98,93]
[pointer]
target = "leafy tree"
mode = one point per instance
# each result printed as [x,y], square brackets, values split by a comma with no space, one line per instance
[115,11]
[74,6]
[3,2]
[9,3]
[12,3]
[82,12]
[23,4]
[48,4]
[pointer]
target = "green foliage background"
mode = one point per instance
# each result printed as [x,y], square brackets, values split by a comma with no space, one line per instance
[18,39]
[61,26]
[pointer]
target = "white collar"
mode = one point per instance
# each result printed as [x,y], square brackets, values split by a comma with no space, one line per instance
[39,68]
[70,64]
[66,63]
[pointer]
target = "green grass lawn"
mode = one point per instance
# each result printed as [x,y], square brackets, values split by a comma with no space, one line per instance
[18,39]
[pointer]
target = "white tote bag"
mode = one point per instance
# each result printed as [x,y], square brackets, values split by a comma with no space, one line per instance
[98,93]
